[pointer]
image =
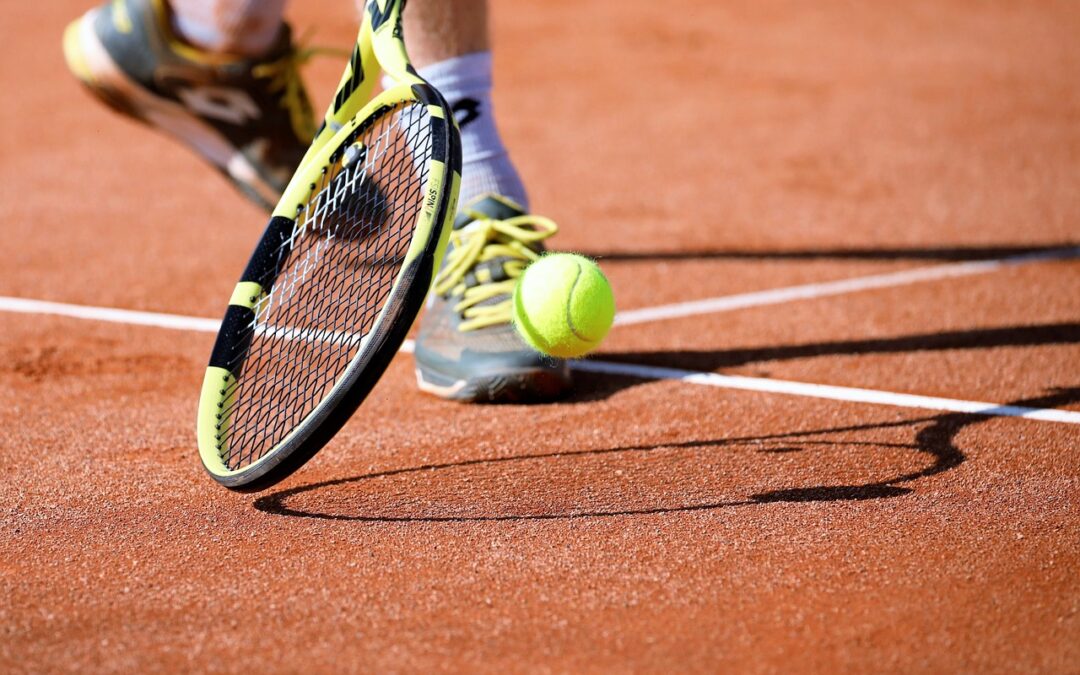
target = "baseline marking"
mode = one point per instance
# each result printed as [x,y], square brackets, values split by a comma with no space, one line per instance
[775,296]
[112,315]
[804,389]
[711,305]
[825,391]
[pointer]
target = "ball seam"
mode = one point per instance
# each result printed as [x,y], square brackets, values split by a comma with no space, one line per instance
[570,304]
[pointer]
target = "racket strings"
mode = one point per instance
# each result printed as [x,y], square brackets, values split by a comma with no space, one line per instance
[334,277]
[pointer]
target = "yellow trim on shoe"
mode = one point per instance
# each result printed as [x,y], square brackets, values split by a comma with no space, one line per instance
[481,241]
[73,53]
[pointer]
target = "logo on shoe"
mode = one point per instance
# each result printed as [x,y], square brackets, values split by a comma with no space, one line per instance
[221,103]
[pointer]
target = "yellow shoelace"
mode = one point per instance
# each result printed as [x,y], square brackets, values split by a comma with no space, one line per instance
[284,76]
[479,242]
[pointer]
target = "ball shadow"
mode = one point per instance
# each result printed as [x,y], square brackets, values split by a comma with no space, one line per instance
[596,387]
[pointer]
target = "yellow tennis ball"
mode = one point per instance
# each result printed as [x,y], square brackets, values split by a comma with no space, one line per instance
[563,305]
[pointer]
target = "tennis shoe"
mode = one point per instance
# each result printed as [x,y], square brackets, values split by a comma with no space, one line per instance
[467,348]
[250,118]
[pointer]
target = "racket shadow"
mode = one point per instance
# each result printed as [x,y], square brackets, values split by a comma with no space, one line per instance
[424,494]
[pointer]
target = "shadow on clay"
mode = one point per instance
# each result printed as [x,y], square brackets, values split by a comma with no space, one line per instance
[934,438]
[939,253]
[592,387]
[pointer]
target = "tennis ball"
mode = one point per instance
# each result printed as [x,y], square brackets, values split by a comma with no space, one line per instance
[563,305]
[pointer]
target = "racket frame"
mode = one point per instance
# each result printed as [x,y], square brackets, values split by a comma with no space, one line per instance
[379,47]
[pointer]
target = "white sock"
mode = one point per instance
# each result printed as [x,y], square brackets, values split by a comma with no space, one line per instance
[241,27]
[465,83]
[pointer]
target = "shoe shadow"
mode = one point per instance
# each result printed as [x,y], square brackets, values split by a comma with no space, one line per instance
[603,482]
[592,387]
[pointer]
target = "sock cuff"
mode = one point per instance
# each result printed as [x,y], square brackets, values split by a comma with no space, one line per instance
[460,74]
[465,71]
[465,82]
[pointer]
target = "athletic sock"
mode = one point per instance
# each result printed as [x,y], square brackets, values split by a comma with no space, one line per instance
[465,82]
[240,27]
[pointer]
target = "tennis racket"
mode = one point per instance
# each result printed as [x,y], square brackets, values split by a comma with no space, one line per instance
[341,271]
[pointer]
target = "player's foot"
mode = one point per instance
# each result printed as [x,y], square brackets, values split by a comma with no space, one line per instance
[467,349]
[250,118]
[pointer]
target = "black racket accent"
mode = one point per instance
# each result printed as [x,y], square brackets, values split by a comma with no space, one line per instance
[455,154]
[233,338]
[439,140]
[263,265]
[426,94]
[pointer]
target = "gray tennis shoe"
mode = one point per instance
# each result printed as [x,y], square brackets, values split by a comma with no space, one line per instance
[250,118]
[467,348]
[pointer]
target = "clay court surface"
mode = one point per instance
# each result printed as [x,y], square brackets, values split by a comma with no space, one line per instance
[649,523]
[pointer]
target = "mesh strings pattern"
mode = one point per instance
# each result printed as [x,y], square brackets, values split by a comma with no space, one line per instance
[334,276]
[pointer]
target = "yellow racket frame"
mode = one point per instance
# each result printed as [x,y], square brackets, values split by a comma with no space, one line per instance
[379,48]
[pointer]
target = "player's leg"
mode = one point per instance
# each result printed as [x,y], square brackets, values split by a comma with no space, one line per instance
[466,348]
[449,43]
[219,75]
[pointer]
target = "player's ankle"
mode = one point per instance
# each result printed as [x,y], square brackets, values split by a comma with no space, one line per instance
[249,35]
[492,176]
[466,82]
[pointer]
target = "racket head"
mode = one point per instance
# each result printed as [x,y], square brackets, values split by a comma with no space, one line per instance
[332,288]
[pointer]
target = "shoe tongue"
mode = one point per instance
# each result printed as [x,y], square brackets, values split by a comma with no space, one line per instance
[281,45]
[491,207]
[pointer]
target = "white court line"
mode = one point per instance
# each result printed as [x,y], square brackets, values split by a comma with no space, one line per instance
[775,296]
[825,391]
[125,316]
[804,389]
[849,394]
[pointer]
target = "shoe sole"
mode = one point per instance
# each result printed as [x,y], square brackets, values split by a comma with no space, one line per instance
[523,386]
[90,63]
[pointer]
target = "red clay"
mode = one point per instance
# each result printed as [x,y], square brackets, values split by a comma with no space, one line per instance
[649,526]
